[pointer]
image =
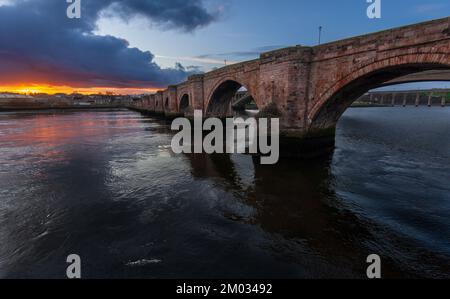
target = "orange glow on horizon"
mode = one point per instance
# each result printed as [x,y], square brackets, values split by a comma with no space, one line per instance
[51,89]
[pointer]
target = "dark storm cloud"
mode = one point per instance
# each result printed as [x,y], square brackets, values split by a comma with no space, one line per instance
[181,14]
[38,43]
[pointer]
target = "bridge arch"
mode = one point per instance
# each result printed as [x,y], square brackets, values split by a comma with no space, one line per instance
[332,103]
[220,98]
[185,102]
[166,104]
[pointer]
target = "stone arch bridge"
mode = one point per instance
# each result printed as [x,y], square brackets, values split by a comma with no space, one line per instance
[311,87]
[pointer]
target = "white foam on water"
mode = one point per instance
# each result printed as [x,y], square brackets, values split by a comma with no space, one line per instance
[143,262]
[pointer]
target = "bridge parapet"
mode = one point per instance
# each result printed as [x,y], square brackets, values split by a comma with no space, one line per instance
[195,77]
[299,53]
[246,66]
[411,35]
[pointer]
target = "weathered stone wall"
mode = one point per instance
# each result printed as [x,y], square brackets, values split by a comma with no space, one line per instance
[312,86]
[159,108]
[196,83]
[283,81]
[342,71]
[152,103]
[171,106]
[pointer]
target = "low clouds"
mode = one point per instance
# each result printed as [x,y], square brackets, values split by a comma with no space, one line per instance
[239,55]
[39,44]
[219,59]
[430,8]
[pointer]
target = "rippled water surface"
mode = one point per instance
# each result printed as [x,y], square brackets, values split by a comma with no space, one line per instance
[105,185]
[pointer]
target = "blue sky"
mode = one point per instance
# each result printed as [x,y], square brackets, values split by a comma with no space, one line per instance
[149,44]
[251,25]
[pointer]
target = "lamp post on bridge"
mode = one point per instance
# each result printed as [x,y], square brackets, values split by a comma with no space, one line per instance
[320,34]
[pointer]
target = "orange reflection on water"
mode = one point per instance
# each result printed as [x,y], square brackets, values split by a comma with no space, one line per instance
[50,132]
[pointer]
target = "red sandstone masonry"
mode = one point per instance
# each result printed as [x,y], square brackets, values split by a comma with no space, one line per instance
[312,86]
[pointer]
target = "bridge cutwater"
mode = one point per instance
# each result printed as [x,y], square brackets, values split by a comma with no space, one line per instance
[311,87]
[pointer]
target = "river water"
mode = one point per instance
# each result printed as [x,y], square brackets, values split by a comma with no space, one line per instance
[105,185]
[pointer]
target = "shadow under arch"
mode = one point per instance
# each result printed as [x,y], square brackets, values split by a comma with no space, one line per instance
[184,103]
[221,100]
[332,105]
[166,104]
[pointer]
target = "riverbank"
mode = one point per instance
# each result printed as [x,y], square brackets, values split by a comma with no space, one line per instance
[19,102]
[20,109]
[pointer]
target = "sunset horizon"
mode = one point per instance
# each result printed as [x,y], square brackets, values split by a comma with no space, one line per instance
[224,147]
[30,89]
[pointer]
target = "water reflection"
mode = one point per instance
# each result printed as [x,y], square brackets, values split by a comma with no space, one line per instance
[298,207]
[106,186]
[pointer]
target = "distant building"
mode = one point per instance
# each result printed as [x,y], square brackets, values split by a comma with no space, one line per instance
[9,95]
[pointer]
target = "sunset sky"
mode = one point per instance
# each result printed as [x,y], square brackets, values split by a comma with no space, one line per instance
[138,46]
